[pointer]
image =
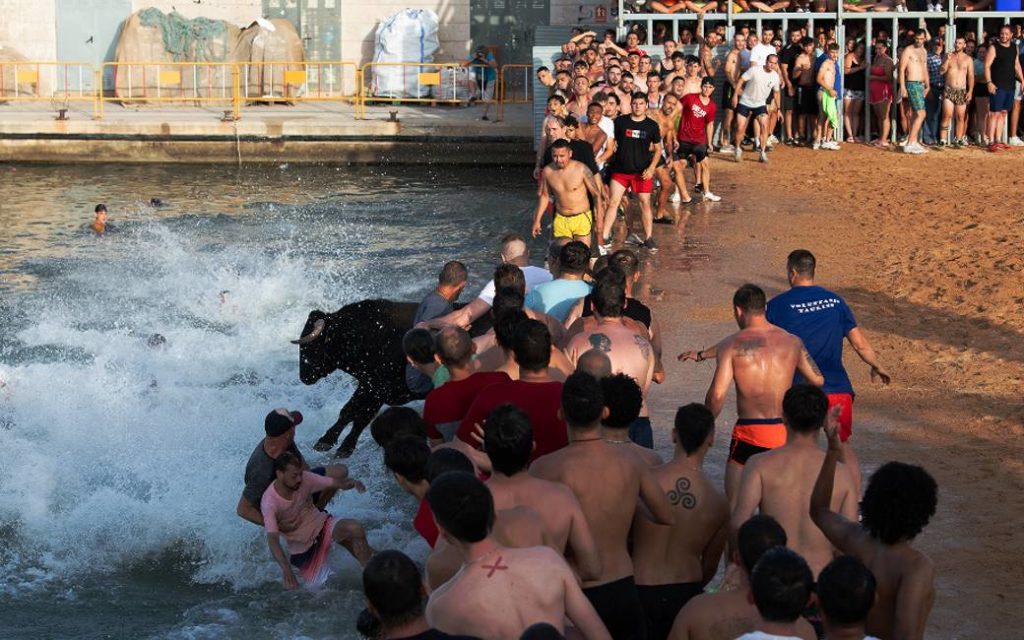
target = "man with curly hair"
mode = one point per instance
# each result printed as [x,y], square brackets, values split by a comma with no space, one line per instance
[899,501]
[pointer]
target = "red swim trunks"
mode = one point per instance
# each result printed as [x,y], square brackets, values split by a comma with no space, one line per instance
[751,436]
[845,401]
[634,181]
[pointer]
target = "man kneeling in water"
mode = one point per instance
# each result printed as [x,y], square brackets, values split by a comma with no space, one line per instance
[288,509]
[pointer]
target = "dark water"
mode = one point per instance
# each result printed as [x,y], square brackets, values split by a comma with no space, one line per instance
[120,464]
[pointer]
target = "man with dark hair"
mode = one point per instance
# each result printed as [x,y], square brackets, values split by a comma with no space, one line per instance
[499,591]
[574,187]
[674,563]
[508,441]
[279,427]
[782,586]
[761,360]
[725,614]
[846,593]
[629,350]
[821,318]
[446,406]
[396,422]
[420,368]
[899,501]
[450,283]
[406,459]
[535,392]
[779,482]
[624,400]
[556,297]
[394,597]
[99,223]
[288,510]
[608,481]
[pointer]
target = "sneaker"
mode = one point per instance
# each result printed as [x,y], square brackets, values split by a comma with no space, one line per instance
[726,148]
[698,187]
[738,154]
[1016,142]
[675,197]
[772,140]
[764,156]
[634,239]
[604,249]
[831,145]
[650,245]
[943,143]
[710,197]
[994,148]
[931,7]
[913,148]
[938,6]
[816,145]
[664,220]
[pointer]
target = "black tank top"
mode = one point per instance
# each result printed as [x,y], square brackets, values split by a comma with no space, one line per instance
[1003,66]
[855,81]
[635,310]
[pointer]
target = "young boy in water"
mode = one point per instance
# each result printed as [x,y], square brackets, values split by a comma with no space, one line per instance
[99,223]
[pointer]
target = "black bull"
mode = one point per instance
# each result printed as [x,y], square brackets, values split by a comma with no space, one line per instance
[363,339]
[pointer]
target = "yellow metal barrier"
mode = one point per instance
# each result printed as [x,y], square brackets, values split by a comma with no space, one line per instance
[516,85]
[57,83]
[428,82]
[309,81]
[161,82]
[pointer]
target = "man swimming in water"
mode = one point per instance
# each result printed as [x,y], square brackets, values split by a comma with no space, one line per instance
[99,223]
[571,182]
[288,510]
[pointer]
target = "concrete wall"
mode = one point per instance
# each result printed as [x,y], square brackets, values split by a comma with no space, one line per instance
[359,22]
[29,27]
[240,12]
[574,12]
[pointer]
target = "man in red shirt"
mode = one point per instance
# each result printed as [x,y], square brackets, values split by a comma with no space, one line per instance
[695,128]
[447,405]
[535,392]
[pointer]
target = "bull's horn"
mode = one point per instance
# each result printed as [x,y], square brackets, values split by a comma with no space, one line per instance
[318,328]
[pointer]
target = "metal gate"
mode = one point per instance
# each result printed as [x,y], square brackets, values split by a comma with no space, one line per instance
[508,25]
[317,21]
[87,31]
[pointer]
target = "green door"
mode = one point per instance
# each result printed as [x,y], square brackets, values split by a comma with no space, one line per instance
[87,31]
[508,25]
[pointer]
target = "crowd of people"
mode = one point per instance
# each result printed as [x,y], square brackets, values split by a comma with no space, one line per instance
[548,512]
[796,88]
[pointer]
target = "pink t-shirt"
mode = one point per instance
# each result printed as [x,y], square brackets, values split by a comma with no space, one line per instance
[298,519]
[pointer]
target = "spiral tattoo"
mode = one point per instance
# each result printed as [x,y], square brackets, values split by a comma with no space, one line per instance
[681,494]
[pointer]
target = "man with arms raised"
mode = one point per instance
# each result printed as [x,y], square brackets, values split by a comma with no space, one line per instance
[499,591]
[899,501]
[608,481]
[673,564]
[728,613]
[637,150]
[761,359]
[508,442]
[821,318]
[779,482]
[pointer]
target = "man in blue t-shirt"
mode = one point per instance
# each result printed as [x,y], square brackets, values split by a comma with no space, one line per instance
[484,72]
[822,319]
[557,296]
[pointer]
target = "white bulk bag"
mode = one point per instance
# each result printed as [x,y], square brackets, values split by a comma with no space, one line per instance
[409,36]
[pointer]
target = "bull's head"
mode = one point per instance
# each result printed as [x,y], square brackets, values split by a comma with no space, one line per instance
[315,359]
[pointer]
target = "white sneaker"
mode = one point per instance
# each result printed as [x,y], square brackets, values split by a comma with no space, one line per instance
[772,140]
[816,145]
[913,148]
[831,145]
[675,197]
[931,7]
[1015,142]
[726,148]
[938,7]
[738,154]
[710,197]
[764,156]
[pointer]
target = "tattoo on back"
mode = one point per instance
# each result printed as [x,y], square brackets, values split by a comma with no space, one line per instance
[749,346]
[600,341]
[643,345]
[681,494]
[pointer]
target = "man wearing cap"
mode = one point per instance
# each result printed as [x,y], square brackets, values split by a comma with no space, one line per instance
[259,471]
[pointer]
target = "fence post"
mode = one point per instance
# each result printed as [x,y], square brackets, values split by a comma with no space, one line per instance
[236,92]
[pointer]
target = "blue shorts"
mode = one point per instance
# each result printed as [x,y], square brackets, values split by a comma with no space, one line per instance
[1001,100]
[747,112]
[640,432]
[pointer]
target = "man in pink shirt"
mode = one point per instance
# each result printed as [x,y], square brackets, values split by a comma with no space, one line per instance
[288,510]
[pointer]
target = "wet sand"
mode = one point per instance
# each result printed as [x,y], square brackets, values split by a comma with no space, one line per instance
[931,265]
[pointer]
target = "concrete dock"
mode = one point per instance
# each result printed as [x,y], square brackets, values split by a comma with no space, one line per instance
[303,133]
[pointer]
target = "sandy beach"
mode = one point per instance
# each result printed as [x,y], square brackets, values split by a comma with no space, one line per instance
[927,252]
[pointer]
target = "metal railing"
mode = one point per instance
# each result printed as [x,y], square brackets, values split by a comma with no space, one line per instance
[515,82]
[163,82]
[429,82]
[57,83]
[299,81]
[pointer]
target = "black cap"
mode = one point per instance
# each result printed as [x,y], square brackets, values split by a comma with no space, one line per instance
[277,424]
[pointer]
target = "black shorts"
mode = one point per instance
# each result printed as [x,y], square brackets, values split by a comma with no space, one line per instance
[618,605]
[740,451]
[727,92]
[807,100]
[751,112]
[788,101]
[687,149]
[662,603]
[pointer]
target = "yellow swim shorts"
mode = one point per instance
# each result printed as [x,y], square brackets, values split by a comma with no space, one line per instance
[573,226]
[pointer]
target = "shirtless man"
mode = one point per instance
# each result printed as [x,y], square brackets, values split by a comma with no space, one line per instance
[628,348]
[99,223]
[591,131]
[570,181]
[779,482]
[958,70]
[673,564]
[733,70]
[608,481]
[728,613]
[896,506]
[499,591]
[667,118]
[913,78]
[761,359]
[828,114]
[806,90]
[508,442]
[624,400]
[692,76]
[580,99]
